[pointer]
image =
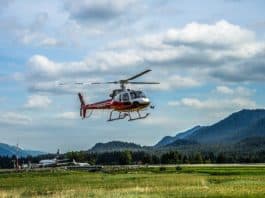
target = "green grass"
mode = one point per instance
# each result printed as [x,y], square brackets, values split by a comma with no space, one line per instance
[142,182]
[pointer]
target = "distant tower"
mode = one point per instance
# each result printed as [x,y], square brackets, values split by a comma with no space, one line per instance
[58,153]
[17,164]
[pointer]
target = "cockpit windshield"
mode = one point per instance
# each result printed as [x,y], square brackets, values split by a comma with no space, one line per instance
[137,94]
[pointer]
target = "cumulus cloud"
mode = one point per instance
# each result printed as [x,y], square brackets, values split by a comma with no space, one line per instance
[238,91]
[176,82]
[159,121]
[215,104]
[217,51]
[193,54]
[221,34]
[224,90]
[38,101]
[27,37]
[14,118]
[33,33]
[42,66]
[225,99]
[52,87]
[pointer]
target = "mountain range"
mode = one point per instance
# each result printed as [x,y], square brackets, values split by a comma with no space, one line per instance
[246,127]
[8,150]
[241,131]
[182,135]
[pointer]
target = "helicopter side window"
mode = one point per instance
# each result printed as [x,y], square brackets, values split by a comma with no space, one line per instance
[125,97]
[140,94]
[133,95]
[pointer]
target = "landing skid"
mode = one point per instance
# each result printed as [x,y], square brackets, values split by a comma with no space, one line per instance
[120,117]
[124,115]
[139,116]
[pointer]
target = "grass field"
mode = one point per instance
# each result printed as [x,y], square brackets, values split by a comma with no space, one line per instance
[142,182]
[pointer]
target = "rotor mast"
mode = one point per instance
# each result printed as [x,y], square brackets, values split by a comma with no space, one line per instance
[123,86]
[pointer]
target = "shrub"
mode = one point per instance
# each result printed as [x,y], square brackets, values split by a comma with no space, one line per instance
[162,168]
[178,168]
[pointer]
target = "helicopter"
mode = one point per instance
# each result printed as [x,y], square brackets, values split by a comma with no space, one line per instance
[123,101]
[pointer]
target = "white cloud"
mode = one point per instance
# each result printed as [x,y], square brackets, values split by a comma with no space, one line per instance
[222,101]
[53,87]
[33,33]
[237,91]
[38,101]
[14,118]
[220,34]
[68,115]
[214,52]
[183,82]
[176,82]
[49,42]
[108,60]
[243,91]
[41,66]
[216,104]
[173,103]
[158,121]
[224,90]
[28,37]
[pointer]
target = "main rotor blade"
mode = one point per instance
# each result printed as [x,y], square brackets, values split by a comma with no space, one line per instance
[76,83]
[138,75]
[82,83]
[147,83]
[61,84]
[98,83]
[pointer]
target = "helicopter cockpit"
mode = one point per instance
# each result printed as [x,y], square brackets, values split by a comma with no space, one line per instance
[131,96]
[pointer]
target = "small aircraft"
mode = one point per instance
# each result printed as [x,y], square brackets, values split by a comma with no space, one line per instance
[124,101]
[81,164]
[53,162]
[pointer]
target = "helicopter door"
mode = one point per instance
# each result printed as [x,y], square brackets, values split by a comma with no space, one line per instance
[126,99]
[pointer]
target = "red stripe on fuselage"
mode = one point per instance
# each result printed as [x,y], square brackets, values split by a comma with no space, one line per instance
[120,106]
[115,105]
[106,104]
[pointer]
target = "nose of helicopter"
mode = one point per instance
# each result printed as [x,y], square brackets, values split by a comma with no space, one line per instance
[145,101]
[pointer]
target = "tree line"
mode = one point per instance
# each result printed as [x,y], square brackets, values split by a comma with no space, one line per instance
[170,157]
[141,157]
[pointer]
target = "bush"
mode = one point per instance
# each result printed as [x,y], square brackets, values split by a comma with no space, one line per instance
[178,168]
[162,169]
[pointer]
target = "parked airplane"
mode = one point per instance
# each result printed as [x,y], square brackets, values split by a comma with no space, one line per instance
[80,164]
[53,162]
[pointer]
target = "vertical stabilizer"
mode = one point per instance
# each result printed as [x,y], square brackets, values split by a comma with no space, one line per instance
[82,106]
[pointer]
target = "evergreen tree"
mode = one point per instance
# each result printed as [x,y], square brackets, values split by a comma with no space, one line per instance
[125,158]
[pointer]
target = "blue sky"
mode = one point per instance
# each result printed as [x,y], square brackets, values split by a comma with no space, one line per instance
[209,58]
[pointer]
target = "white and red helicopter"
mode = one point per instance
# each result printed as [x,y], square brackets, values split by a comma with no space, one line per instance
[123,101]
